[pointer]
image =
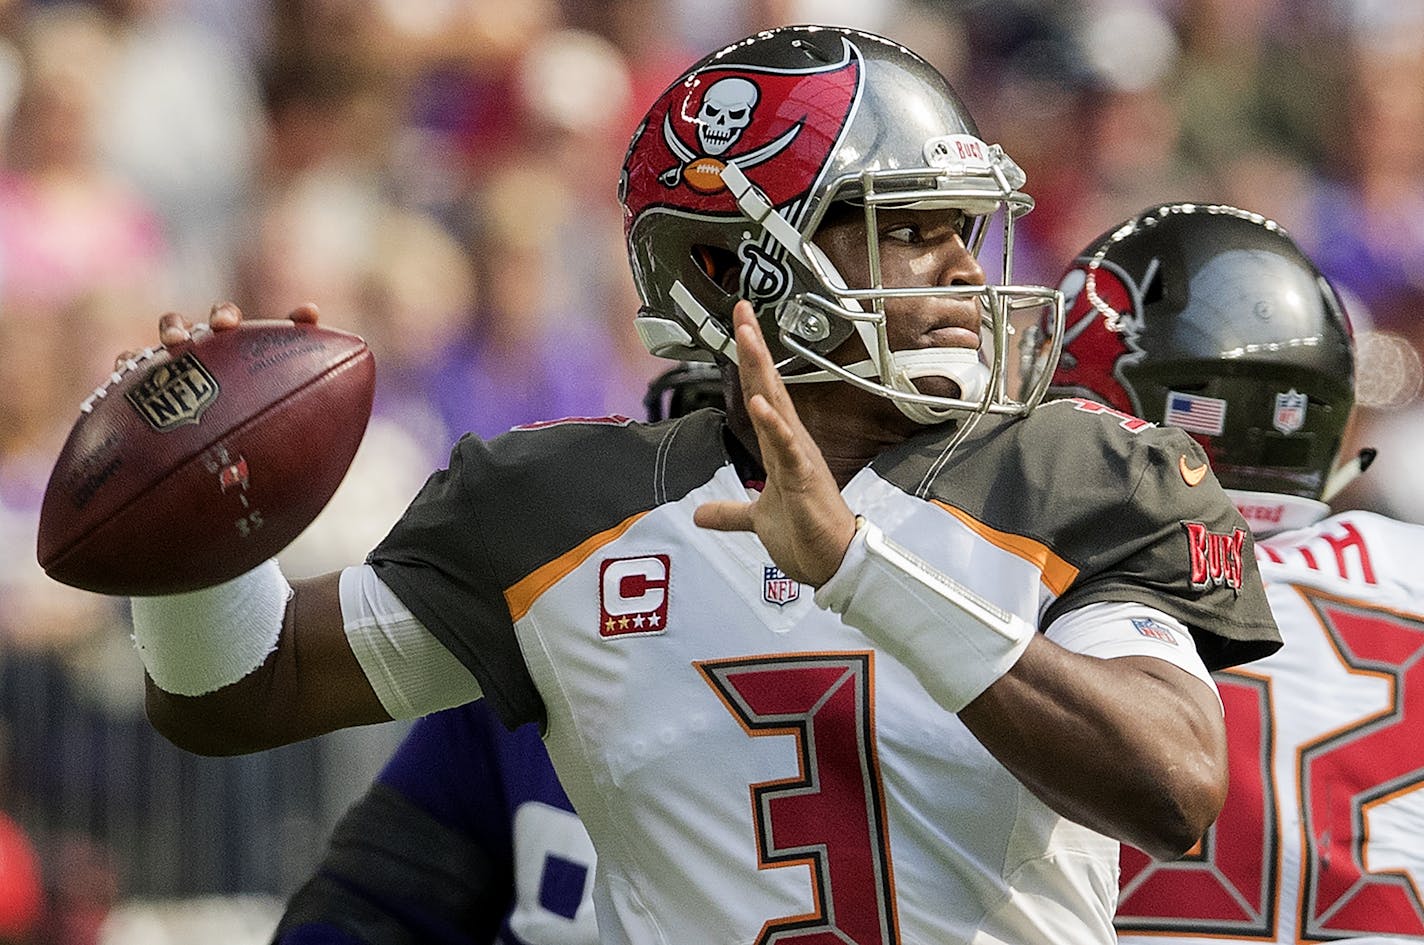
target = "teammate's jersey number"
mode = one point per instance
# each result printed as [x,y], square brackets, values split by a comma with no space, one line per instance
[1230,885]
[831,817]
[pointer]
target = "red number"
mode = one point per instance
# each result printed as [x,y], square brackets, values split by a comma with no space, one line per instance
[1346,772]
[1219,888]
[1233,888]
[831,818]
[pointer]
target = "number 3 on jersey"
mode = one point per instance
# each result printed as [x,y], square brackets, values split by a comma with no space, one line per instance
[1233,887]
[831,818]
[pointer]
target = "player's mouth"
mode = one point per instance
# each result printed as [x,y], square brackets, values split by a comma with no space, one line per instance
[952,336]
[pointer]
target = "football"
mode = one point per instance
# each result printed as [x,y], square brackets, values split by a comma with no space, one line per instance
[196,462]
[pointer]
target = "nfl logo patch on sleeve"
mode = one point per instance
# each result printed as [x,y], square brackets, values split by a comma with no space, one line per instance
[1151,628]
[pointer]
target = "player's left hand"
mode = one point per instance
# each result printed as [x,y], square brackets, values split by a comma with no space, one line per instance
[800,515]
[174,328]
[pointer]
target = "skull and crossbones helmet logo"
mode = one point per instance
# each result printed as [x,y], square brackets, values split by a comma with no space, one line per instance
[726,111]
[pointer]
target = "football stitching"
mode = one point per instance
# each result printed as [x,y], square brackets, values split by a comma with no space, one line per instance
[350,362]
[131,365]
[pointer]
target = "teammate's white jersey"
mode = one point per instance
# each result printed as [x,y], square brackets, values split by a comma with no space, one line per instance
[1322,835]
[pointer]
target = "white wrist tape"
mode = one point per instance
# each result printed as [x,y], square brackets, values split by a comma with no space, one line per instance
[196,643]
[955,642]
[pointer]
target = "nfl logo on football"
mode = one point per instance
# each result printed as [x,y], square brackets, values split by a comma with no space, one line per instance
[1290,411]
[174,394]
[777,588]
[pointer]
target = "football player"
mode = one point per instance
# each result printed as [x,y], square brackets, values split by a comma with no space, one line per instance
[1211,320]
[465,838]
[467,834]
[881,654]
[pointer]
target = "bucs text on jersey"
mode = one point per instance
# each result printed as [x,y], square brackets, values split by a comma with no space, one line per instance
[752,769]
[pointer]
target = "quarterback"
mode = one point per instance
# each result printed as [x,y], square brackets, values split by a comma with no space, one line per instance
[883,653]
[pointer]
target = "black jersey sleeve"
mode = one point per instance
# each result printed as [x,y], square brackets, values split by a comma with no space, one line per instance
[1131,509]
[506,507]
[438,562]
[1178,546]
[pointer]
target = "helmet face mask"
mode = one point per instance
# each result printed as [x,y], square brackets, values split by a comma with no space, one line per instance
[810,122]
[1211,319]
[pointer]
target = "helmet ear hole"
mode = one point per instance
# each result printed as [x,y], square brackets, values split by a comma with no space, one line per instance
[719,265]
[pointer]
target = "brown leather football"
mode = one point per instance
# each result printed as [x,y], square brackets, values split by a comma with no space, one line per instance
[197,462]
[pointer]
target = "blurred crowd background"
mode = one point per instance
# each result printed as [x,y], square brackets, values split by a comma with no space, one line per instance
[439,176]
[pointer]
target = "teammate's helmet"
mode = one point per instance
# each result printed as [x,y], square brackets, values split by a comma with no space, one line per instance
[1211,319]
[737,163]
[682,389]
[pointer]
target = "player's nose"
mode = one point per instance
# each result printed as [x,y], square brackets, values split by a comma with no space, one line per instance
[959,266]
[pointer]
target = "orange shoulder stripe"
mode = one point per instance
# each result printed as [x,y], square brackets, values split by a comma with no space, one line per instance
[1057,575]
[522,595]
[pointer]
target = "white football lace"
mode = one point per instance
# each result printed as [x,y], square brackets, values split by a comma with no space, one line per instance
[129,366]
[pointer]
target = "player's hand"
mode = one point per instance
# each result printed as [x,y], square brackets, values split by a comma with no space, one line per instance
[174,328]
[800,515]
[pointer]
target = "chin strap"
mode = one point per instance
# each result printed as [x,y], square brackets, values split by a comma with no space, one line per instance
[960,365]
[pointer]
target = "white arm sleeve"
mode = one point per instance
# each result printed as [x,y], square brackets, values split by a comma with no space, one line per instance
[1108,630]
[411,671]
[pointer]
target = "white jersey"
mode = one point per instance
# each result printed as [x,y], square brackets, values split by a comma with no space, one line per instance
[750,768]
[1322,835]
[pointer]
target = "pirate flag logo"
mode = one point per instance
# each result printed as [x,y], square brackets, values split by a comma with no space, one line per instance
[1100,333]
[784,123]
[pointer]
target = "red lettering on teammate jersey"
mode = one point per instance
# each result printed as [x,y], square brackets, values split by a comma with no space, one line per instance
[1215,559]
[1348,548]
[1125,420]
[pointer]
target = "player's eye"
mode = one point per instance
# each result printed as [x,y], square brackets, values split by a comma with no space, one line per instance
[906,233]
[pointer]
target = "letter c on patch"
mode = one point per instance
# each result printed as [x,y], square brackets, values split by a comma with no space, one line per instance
[634,585]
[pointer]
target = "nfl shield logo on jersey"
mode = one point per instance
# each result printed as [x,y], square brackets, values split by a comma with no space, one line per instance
[1290,411]
[777,588]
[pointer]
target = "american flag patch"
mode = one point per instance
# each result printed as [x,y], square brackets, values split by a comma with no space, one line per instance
[1194,413]
[1151,628]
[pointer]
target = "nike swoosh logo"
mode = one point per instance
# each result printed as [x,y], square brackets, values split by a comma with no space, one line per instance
[1191,475]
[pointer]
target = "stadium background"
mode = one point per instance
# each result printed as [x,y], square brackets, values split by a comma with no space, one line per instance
[439,176]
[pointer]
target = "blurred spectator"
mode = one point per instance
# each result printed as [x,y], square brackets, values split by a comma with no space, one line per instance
[181,122]
[1368,221]
[1246,81]
[69,229]
[83,887]
[538,347]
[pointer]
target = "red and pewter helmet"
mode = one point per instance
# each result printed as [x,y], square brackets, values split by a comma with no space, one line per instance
[735,166]
[1211,318]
